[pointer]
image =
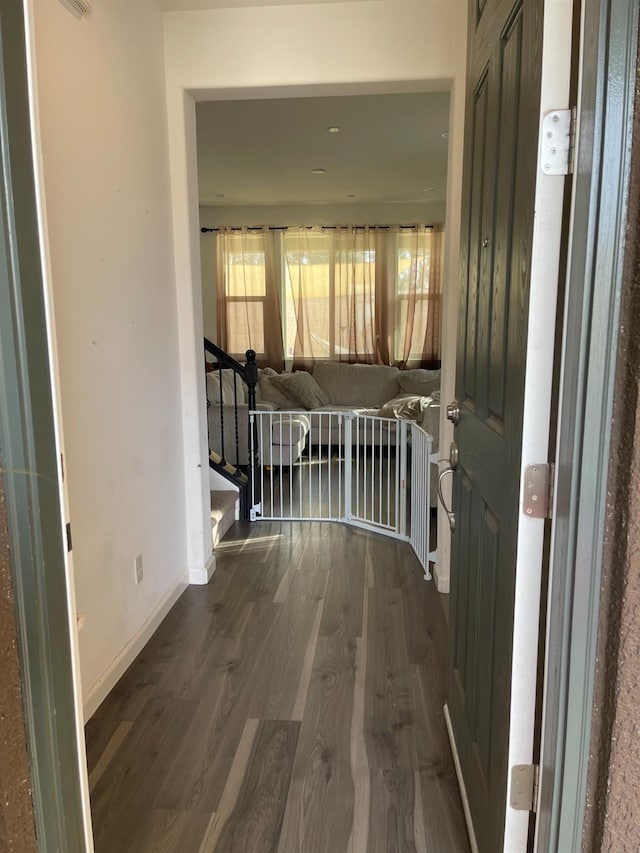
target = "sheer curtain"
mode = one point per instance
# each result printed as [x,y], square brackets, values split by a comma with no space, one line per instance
[333,280]
[248,295]
[360,294]
[367,294]
[418,295]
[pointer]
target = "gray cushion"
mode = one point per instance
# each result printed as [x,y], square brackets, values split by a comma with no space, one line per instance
[226,378]
[270,394]
[356,384]
[419,381]
[302,388]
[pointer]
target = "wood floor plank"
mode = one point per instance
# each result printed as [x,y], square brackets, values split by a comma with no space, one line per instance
[388,561]
[423,619]
[444,822]
[132,775]
[389,730]
[441,804]
[345,589]
[253,823]
[358,743]
[359,841]
[115,742]
[275,688]
[233,786]
[307,667]
[312,621]
[98,733]
[200,767]
[319,813]
[419,829]
[132,692]
[167,832]
[391,813]
[428,697]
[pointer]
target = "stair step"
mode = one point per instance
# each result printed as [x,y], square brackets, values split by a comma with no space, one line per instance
[223,513]
[237,475]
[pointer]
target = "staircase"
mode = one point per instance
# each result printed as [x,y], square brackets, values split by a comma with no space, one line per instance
[239,475]
[224,511]
[232,475]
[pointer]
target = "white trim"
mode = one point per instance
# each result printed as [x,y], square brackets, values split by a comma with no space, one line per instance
[201,577]
[545,263]
[442,578]
[461,785]
[123,661]
[75,620]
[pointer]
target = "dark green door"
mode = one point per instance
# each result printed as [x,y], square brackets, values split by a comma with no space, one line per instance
[501,133]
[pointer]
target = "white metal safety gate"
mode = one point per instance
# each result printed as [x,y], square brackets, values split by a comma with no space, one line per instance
[367,471]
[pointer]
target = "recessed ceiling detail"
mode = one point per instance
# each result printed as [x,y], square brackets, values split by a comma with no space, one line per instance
[263,152]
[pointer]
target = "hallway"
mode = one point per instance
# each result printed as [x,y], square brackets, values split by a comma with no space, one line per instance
[292,705]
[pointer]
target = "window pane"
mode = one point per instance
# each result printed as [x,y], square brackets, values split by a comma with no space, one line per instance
[355,324]
[308,292]
[419,326]
[245,326]
[354,303]
[245,265]
[414,262]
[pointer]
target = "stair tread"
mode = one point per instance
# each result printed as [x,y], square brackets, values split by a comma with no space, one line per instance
[221,502]
[230,469]
[223,513]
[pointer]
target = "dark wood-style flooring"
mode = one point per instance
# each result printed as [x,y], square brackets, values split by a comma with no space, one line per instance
[293,705]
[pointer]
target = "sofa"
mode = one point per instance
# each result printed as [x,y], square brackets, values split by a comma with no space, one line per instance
[369,389]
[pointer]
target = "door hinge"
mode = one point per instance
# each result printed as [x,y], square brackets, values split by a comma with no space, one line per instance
[557,148]
[537,495]
[524,787]
[68,529]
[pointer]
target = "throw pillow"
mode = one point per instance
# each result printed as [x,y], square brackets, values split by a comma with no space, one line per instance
[406,406]
[270,394]
[419,381]
[302,388]
[224,380]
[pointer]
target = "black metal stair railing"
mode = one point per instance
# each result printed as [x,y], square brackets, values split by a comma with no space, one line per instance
[228,418]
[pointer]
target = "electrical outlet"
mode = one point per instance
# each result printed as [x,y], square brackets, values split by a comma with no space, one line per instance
[137,563]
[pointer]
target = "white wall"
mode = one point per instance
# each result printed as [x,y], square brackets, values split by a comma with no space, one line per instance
[102,114]
[349,48]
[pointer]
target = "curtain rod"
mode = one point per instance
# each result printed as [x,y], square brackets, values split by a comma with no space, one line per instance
[205,230]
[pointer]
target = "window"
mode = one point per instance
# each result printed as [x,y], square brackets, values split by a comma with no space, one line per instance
[363,294]
[417,296]
[308,289]
[245,291]
[330,295]
[248,295]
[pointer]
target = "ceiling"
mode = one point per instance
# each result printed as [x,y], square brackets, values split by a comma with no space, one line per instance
[195,5]
[390,149]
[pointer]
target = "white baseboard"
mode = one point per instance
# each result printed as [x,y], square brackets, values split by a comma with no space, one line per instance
[123,661]
[441,578]
[201,577]
[461,785]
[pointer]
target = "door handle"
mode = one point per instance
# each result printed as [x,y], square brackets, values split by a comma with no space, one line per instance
[454,455]
[450,515]
[453,412]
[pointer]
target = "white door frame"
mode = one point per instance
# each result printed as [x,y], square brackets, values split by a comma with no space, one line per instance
[545,266]
[606,95]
